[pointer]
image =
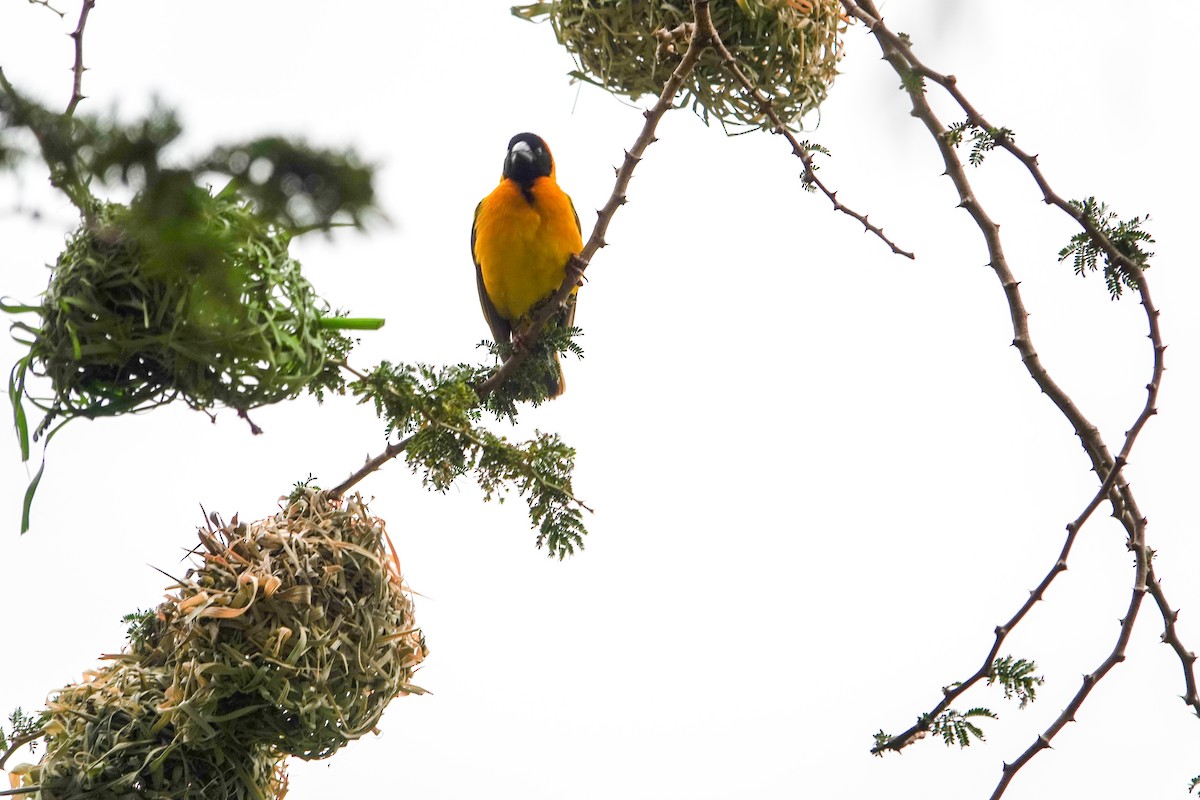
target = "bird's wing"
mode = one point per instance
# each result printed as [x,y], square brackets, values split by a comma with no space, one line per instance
[569,320]
[501,329]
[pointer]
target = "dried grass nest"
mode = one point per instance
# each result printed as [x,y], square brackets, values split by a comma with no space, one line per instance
[288,638]
[789,49]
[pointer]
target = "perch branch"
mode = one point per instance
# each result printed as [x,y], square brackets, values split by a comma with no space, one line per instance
[701,37]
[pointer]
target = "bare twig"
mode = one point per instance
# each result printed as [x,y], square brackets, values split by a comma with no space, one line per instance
[1187,658]
[46,4]
[799,150]
[79,68]
[20,790]
[370,466]
[1108,469]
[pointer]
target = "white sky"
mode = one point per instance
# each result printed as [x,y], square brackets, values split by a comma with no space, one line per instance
[821,474]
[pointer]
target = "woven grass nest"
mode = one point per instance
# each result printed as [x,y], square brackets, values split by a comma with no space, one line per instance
[788,48]
[289,638]
[209,308]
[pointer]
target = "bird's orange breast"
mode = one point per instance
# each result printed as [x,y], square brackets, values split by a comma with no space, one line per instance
[522,247]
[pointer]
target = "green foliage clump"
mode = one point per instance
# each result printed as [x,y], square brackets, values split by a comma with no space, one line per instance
[1126,236]
[1016,676]
[983,140]
[21,727]
[289,638]
[437,413]
[789,54]
[180,293]
[956,727]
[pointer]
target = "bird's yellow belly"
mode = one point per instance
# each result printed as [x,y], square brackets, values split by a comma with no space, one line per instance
[526,252]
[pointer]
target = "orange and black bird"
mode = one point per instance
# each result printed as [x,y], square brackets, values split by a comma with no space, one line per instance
[524,234]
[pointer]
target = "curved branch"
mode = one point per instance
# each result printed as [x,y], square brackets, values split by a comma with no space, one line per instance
[1089,681]
[1113,484]
[949,695]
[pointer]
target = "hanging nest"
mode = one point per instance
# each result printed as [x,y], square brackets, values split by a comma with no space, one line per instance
[788,48]
[198,300]
[289,639]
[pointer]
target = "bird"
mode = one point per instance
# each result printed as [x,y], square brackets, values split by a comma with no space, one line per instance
[523,235]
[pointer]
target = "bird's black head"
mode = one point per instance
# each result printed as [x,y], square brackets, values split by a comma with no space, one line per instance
[528,159]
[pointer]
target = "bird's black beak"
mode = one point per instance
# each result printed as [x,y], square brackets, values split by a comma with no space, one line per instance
[527,160]
[520,160]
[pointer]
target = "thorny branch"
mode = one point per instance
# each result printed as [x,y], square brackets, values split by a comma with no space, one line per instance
[1114,487]
[78,70]
[799,150]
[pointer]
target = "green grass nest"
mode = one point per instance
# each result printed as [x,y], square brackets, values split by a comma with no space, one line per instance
[790,53]
[289,638]
[207,307]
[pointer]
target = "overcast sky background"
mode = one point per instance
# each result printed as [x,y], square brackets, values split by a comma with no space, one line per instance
[821,475]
